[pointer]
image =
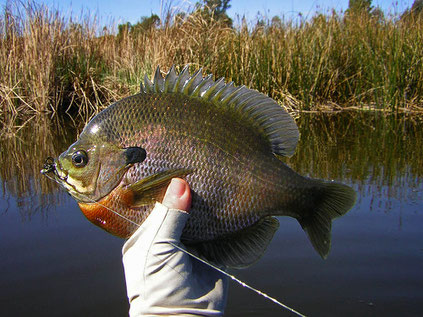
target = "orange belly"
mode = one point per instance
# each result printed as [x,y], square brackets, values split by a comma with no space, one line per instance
[101,213]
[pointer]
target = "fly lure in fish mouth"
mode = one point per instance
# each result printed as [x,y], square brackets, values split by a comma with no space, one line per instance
[50,167]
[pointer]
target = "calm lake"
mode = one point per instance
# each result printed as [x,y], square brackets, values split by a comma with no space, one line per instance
[55,263]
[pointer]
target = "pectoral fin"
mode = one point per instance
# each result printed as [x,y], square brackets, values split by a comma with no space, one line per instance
[152,188]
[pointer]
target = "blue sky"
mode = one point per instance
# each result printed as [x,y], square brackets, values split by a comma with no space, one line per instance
[131,10]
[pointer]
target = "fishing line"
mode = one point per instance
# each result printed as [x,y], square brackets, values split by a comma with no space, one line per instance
[243,284]
[232,277]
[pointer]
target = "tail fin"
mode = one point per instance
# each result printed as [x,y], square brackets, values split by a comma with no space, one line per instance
[335,200]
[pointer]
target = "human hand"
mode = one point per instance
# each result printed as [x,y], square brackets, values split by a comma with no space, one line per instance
[160,278]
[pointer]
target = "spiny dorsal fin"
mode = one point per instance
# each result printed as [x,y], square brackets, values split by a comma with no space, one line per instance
[262,111]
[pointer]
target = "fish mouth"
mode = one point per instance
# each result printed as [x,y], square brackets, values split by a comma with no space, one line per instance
[59,175]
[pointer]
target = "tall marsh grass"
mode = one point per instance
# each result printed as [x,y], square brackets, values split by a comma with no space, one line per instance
[51,63]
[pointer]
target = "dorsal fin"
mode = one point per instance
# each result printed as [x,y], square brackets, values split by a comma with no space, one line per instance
[262,111]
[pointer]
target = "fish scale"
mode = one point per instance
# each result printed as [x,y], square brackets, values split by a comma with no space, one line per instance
[223,140]
[168,151]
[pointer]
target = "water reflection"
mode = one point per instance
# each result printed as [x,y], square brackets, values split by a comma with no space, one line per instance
[376,257]
[376,152]
[24,145]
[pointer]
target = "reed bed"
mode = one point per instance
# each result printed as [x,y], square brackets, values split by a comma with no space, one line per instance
[53,63]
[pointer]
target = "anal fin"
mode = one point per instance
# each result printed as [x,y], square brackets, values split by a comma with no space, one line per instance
[241,249]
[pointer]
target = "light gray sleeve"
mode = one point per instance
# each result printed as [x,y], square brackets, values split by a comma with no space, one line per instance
[162,280]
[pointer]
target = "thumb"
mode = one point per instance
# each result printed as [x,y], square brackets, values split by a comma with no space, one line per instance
[178,195]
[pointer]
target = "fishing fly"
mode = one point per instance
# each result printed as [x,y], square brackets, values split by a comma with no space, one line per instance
[48,165]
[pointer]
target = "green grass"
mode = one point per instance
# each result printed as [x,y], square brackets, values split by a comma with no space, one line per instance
[48,63]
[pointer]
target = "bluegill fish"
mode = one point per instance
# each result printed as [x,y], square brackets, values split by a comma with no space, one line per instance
[225,141]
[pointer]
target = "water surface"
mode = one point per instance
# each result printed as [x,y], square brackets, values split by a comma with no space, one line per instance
[55,263]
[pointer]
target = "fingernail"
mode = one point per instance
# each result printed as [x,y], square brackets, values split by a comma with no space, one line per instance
[178,195]
[176,188]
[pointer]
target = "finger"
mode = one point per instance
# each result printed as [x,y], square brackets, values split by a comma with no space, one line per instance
[178,195]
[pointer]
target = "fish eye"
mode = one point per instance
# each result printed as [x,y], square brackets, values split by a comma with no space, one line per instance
[79,158]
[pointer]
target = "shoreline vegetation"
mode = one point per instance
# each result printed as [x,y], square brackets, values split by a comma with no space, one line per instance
[359,59]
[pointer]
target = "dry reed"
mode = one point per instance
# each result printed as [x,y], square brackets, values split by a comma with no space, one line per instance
[50,63]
